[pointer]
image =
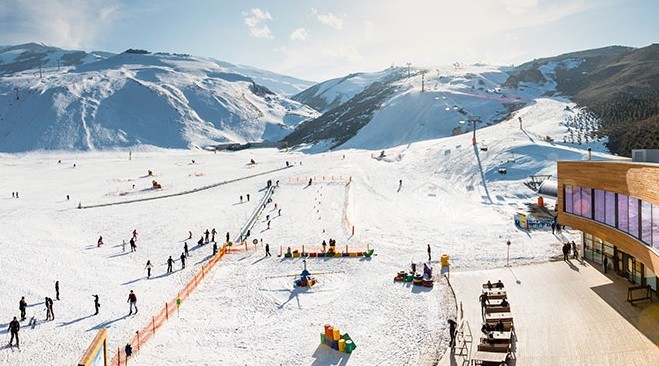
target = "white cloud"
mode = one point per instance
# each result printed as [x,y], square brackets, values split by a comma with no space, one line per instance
[64,23]
[255,20]
[329,19]
[369,28]
[299,34]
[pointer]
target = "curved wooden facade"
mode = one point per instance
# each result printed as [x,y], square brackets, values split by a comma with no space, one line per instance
[639,180]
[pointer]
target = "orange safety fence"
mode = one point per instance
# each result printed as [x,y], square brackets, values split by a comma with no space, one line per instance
[150,328]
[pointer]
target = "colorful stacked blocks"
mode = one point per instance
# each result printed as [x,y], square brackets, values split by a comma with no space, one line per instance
[332,338]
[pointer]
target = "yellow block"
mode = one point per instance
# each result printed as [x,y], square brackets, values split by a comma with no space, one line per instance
[336,334]
[353,254]
[444,260]
[342,345]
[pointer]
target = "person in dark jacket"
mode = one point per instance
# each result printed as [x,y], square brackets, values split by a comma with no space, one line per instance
[132,302]
[22,305]
[183,260]
[14,327]
[170,263]
[57,290]
[49,309]
[96,303]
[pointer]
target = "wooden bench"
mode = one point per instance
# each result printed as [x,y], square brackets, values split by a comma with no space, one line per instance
[645,293]
[496,309]
[488,358]
[494,347]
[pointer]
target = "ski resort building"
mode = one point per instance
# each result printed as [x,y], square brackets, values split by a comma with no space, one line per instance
[615,204]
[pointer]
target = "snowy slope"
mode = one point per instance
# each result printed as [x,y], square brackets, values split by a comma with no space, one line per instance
[334,92]
[278,83]
[163,100]
[451,198]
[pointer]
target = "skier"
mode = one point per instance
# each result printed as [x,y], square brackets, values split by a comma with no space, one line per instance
[214,248]
[201,241]
[57,290]
[267,217]
[207,233]
[276,202]
[67,197]
[185,249]
[268,224]
[96,303]
[100,241]
[400,184]
[241,199]
[428,252]
[190,236]
[14,327]
[49,309]
[247,197]
[170,262]
[279,212]
[183,260]
[22,305]
[310,181]
[267,250]
[133,245]
[135,234]
[132,302]
[213,232]
[227,237]
[148,268]
[277,183]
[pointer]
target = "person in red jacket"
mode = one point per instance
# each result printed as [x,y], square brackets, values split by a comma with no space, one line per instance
[132,301]
[100,241]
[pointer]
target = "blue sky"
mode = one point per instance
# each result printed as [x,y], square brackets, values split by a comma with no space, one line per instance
[317,40]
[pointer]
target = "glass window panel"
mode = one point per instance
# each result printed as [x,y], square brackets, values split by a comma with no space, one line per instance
[586,202]
[633,216]
[610,208]
[568,199]
[576,200]
[646,222]
[623,212]
[655,226]
[599,205]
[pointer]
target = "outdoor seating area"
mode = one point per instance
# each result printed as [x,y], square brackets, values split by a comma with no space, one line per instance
[497,331]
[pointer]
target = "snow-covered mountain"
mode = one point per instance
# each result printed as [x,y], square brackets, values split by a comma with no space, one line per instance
[334,92]
[400,106]
[100,101]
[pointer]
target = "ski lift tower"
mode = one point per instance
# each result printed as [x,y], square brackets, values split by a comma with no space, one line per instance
[423,80]
[473,120]
[408,69]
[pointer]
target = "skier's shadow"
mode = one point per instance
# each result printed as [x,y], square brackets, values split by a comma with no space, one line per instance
[106,324]
[65,324]
[132,281]
[163,275]
[35,304]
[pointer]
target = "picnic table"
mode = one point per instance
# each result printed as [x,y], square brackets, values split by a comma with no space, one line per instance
[497,337]
[498,316]
[495,294]
[494,302]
